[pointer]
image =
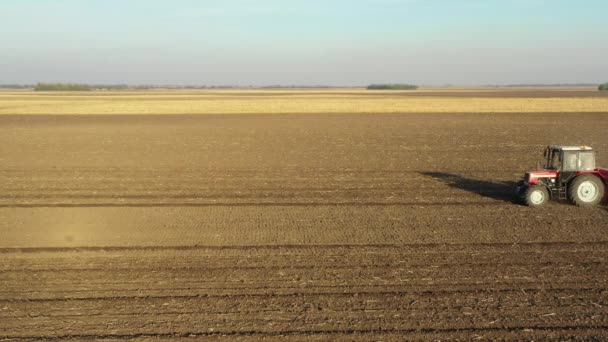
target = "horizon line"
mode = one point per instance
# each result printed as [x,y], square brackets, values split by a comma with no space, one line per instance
[319,86]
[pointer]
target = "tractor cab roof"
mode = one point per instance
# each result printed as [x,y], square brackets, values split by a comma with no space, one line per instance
[570,148]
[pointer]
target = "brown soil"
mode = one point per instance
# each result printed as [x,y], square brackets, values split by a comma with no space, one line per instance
[323,292]
[298,227]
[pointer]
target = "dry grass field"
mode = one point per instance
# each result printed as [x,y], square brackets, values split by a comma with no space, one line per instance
[315,226]
[475,100]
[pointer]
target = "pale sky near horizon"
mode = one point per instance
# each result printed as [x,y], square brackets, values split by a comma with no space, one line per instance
[303,42]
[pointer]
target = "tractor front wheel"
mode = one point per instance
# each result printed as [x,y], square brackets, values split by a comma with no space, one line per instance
[536,196]
[586,191]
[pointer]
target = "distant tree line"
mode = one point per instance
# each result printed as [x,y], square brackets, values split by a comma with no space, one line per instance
[87,87]
[391,86]
[62,87]
[58,86]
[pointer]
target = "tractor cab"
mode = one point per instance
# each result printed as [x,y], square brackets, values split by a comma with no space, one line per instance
[570,158]
[568,161]
[569,173]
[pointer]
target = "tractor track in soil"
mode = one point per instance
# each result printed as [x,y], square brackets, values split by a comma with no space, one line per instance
[297,227]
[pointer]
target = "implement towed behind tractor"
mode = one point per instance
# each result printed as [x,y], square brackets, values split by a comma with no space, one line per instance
[569,174]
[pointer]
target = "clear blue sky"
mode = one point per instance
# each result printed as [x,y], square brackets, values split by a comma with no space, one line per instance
[304,42]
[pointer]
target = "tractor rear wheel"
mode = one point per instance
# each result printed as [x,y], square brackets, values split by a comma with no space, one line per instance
[586,191]
[536,196]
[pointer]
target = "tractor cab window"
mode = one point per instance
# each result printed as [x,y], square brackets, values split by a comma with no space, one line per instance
[570,161]
[554,160]
[586,161]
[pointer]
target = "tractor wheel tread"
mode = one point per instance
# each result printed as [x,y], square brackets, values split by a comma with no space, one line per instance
[536,196]
[573,190]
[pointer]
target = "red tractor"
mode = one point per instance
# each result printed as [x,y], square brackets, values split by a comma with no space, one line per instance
[569,174]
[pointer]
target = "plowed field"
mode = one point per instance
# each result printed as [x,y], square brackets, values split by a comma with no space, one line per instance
[294,227]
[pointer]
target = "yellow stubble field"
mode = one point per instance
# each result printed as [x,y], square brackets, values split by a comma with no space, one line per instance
[246,101]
